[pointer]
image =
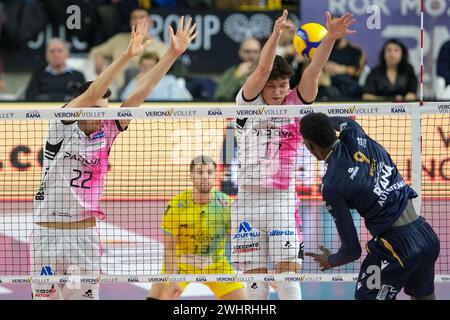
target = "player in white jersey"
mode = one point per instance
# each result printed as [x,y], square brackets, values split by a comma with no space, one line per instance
[67,204]
[265,216]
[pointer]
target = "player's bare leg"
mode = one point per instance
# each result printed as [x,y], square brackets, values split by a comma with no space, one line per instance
[165,291]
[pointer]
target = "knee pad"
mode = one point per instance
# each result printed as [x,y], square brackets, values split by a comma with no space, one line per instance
[289,290]
[258,291]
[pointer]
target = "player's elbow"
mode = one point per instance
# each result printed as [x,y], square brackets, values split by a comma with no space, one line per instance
[355,254]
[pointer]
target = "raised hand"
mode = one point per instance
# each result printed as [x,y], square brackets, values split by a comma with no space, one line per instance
[137,42]
[322,259]
[180,41]
[340,27]
[282,24]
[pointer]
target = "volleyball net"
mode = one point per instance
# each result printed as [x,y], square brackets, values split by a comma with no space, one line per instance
[149,164]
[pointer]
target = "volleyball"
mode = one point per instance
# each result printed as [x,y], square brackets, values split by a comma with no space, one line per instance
[308,38]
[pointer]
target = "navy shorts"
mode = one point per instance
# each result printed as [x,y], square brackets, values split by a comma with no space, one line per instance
[403,257]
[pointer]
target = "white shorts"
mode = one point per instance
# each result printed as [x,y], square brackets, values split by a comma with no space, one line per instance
[64,252]
[265,230]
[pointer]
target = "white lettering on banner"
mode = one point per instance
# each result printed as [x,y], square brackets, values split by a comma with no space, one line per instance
[208,26]
[357,7]
[374,21]
[74,20]
[434,8]
[409,5]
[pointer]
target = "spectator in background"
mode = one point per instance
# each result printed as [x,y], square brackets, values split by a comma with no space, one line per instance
[443,63]
[394,77]
[114,46]
[345,66]
[234,78]
[167,89]
[57,81]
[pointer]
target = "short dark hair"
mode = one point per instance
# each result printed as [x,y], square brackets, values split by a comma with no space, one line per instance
[84,86]
[317,128]
[280,69]
[150,56]
[201,160]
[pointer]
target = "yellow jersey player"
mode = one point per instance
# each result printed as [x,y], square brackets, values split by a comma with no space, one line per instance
[196,225]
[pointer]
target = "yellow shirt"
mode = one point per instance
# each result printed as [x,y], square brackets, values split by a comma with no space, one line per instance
[201,230]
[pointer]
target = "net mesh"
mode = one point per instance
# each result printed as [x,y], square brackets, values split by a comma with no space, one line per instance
[148,164]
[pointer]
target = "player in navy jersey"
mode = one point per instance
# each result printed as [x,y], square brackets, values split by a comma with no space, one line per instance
[361,175]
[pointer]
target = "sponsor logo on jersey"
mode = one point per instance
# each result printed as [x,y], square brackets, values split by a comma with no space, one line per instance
[44,293]
[273,132]
[399,109]
[82,160]
[362,142]
[251,247]
[6,115]
[215,112]
[245,231]
[46,271]
[98,135]
[281,233]
[33,115]
[382,181]
[207,237]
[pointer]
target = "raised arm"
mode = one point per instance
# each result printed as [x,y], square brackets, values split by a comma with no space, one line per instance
[98,88]
[179,42]
[309,84]
[256,81]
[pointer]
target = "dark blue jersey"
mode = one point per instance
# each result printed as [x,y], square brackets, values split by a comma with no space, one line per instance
[361,175]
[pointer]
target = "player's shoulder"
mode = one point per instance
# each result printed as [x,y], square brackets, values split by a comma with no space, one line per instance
[241,99]
[182,199]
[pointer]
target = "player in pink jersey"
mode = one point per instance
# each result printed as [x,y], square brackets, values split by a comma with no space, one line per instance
[265,216]
[67,204]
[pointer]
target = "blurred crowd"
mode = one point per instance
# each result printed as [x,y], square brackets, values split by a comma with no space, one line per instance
[346,77]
